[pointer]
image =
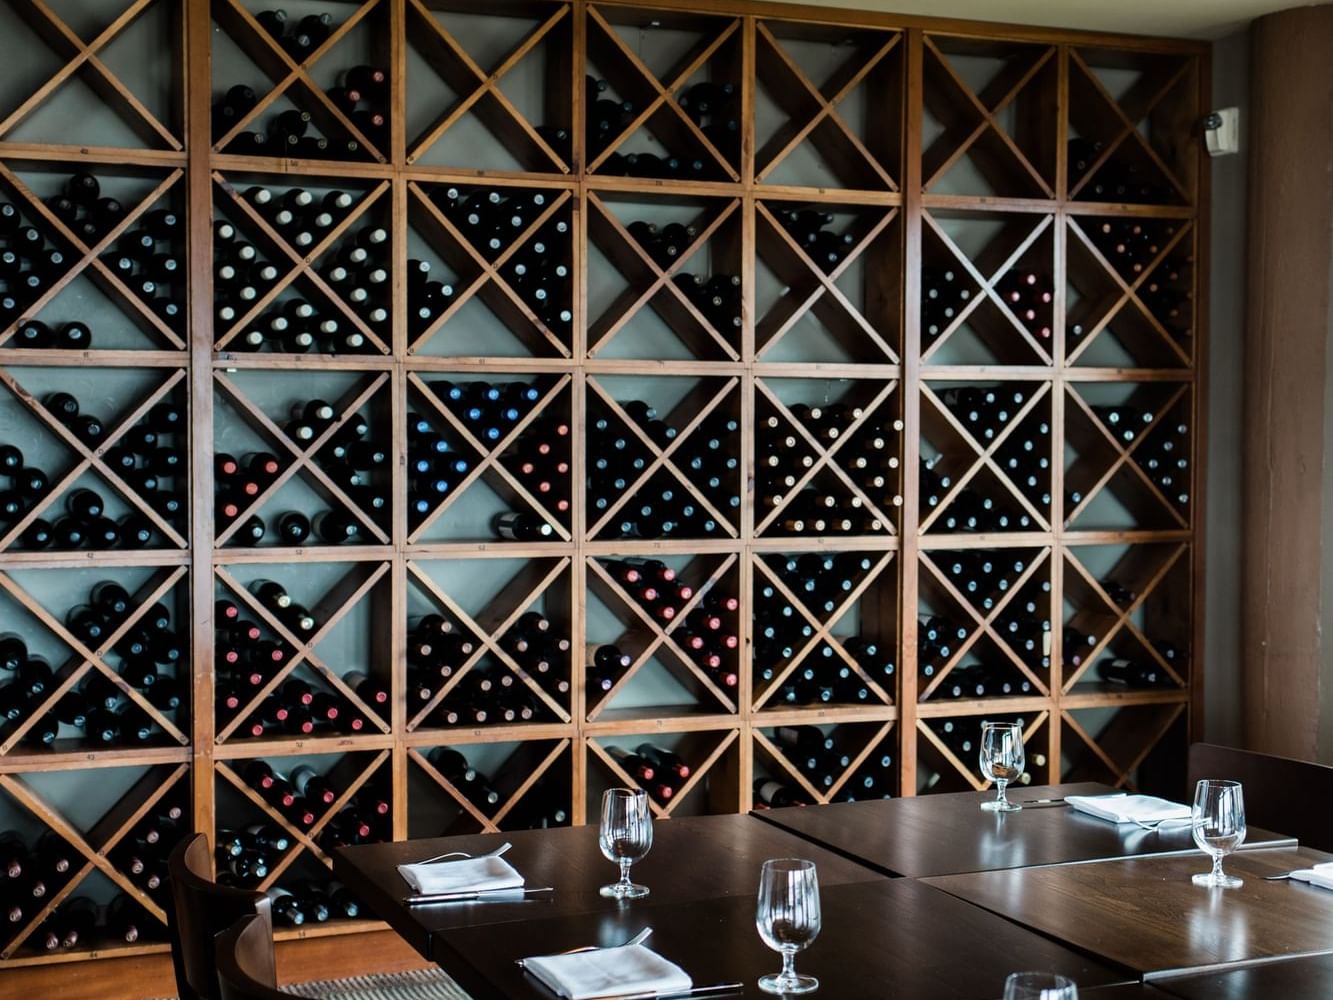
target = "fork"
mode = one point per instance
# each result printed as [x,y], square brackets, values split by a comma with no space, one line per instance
[463,854]
[638,938]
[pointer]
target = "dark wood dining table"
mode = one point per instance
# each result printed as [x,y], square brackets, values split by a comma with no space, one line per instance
[949,833]
[887,938]
[1146,915]
[691,858]
[1308,978]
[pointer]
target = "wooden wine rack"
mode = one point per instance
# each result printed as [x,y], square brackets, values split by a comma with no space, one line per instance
[887,160]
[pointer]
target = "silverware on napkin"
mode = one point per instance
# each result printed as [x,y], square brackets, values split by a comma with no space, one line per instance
[514,892]
[696,991]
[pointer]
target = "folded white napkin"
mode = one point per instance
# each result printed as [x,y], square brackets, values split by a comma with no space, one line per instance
[468,875]
[1123,808]
[1320,875]
[631,968]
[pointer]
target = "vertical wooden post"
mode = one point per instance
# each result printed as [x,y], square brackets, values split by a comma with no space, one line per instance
[1287,329]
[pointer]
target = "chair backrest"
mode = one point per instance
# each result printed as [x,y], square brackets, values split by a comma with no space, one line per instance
[1288,796]
[245,962]
[200,909]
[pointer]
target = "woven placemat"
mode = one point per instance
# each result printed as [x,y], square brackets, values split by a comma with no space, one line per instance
[423,984]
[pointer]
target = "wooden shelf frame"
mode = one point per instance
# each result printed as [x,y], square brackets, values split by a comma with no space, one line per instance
[896,204]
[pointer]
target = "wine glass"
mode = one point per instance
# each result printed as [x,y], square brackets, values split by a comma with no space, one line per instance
[1001,760]
[1039,986]
[788,919]
[626,835]
[1219,827]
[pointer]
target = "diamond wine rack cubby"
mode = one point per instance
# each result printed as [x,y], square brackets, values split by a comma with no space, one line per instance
[432,416]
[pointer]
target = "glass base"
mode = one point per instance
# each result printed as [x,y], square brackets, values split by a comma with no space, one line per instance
[1210,881]
[795,983]
[619,890]
[995,806]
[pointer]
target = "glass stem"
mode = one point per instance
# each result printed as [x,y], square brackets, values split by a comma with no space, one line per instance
[788,964]
[624,873]
[1217,868]
[1000,785]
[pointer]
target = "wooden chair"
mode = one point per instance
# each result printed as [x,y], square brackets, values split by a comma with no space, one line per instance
[1288,796]
[200,910]
[245,962]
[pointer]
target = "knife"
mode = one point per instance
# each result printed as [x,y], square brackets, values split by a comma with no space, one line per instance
[696,991]
[482,894]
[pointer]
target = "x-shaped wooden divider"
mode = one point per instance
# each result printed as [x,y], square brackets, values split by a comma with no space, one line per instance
[1123,453]
[303,839]
[795,774]
[825,455]
[92,458]
[1125,733]
[1123,617]
[698,772]
[535,771]
[329,610]
[816,290]
[822,628]
[813,110]
[96,846]
[1126,122]
[477,88]
[985,110]
[285,72]
[89,259]
[652,284]
[300,458]
[82,58]
[515,596]
[653,637]
[490,466]
[1128,291]
[632,76]
[485,279]
[982,624]
[941,416]
[970,772]
[88,659]
[704,399]
[303,266]
[987,285]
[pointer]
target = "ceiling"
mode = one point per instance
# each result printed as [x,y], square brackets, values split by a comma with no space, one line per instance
[1180,18]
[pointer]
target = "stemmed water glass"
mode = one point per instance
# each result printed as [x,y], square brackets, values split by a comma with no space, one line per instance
[788,920]
[1219,827]
[626,835]
[1039,986]
[1002,761]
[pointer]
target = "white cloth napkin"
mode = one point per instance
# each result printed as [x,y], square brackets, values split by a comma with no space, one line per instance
[467,875]
[1320,875]
[1123,808]
[631,968]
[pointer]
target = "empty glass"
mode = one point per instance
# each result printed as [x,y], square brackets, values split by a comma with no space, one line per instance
[626,835]
[788,919]
[1039,986]
[1001,761]
[1219,827]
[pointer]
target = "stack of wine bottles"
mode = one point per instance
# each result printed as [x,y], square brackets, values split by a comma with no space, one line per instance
[1131,246]
[28,265]
[540,458]
[782,632]
[33,334]
[298,38]
[302,798]
[84,210]
[492,219]
[490,693]
[662,773]
[717,297]
[149,259]
[708,633]
[363,95]
[312,901]
[299,216]
[1030,296]
[1117,179]
[714,107]
[240,277]
[813,230]
[427,297]
[142,853]
[360,275]
[436,466]
[661,507]
[247,659]
[541,807]
[78,922]
[823,759]
[945,292]
[1140,672]
[1163,455]
[985,577]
